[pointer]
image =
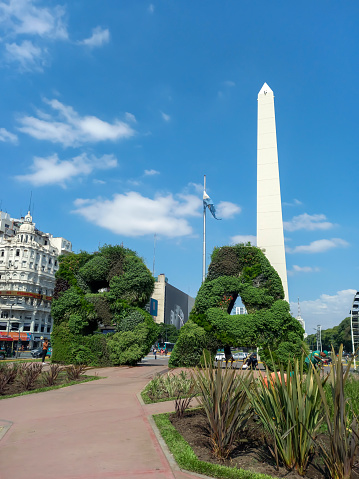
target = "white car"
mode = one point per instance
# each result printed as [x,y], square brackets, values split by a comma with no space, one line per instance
[240,356]
[219,357]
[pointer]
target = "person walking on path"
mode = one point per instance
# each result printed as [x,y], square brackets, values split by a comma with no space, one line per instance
[316,358]
[155,353]
[228,355]
[45,346]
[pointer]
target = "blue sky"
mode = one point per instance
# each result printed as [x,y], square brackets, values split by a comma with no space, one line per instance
[112,112]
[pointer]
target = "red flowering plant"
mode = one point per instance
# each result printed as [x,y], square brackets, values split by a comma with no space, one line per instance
[224,304]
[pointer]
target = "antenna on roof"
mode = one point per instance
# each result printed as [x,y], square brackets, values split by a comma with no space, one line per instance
[30,201]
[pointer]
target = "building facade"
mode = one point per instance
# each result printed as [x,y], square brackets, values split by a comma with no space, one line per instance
[28,263]
[173,305]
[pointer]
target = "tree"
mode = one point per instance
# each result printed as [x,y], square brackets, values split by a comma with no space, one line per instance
[335,336]
[167,332]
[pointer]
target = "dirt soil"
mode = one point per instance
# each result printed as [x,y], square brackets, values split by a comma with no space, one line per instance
[251,452]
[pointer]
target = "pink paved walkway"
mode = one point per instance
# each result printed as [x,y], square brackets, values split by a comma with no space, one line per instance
[92,430]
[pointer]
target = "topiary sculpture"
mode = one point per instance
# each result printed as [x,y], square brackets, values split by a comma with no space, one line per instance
[240,270]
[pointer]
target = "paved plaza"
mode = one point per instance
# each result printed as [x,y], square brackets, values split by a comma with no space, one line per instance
[92,430]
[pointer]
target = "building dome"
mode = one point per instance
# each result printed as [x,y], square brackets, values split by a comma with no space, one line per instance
[27,228]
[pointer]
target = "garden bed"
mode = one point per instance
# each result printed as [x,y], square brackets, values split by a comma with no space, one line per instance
[25,381]
[250,459]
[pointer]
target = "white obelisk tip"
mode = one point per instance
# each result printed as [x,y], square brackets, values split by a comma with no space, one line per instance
[265,89]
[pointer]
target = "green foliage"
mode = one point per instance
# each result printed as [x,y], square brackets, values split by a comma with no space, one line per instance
[288,404]
[102,308]
[187,459]
[336,336]
[343,431]
[191,342]
[129,347]
[206,359]
[168,332]
[135,285]
[224,401]
[130,318]
[78,309]
[95,272]
[241,270]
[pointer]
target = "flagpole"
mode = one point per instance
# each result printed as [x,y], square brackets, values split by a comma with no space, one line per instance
[204,234]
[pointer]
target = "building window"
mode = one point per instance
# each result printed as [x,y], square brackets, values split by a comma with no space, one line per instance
[45,243]
[17,252]
[26,253]
[32,254]
[27,327]
[4,314]
[23,264]
[42,329]
[3,326]
[36,328]
[2,252]
[48,329]
[15,326]
[50,261]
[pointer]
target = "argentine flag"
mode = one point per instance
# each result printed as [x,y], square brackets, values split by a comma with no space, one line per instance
[209,203]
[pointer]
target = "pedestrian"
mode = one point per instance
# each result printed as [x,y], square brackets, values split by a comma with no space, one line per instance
[315,358]
[45,346]
[228,354]
[165,352]
[155,352]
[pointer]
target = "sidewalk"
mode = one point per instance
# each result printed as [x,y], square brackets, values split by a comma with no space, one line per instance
[88,431]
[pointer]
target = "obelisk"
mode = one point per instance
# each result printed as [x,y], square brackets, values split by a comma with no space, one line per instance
[270,235]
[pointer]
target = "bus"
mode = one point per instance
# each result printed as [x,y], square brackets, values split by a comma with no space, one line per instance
[166,346]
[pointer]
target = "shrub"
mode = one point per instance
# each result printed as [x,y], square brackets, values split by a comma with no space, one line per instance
[29,375]
[288,404]
[8,374]
[224,401]
[343,431]
[49,377]
[75,371]
[191,342]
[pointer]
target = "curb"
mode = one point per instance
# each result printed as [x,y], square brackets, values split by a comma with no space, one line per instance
[4,427]
[169,456]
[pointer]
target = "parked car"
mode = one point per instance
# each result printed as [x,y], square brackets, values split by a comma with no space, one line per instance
[36,353]
[240,356]
[219,357]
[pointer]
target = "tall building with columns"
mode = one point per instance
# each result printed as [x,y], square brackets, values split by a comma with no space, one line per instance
[28,263]
[270,235]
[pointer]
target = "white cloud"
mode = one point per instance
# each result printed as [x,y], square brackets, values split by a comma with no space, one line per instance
[132,214]
[294,203]
[130,117]
[319,246]
[302,269]
[226,209]
[29,56]
[71,129]
[229,83]
[327,310]
[52,170]
[244,239]
[98,38]
[307,222]
[197,187]
[19,17]
[151,8]
[98,182]
[165,116]
[151,172]
[7,136]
